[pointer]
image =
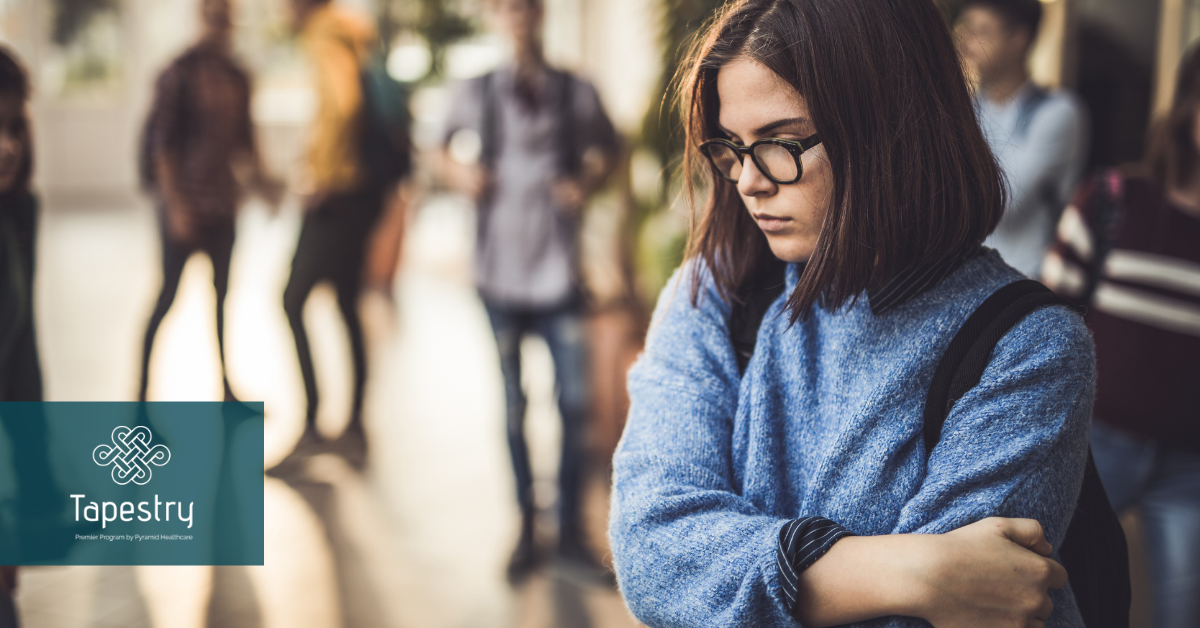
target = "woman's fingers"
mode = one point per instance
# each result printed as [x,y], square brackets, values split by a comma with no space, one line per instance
[1027,533]
[1043,613]
[995,570]
[1058,576]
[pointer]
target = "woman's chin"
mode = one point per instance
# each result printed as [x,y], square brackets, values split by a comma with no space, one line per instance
[788,250]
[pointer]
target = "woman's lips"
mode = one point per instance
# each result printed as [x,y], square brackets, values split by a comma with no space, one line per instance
[771,224]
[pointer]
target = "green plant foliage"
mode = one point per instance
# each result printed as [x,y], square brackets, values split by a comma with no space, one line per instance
[71,17]
[661,130]
[661,235]
[440,23]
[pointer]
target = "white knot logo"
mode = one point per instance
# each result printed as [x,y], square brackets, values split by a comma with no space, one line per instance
[131,455]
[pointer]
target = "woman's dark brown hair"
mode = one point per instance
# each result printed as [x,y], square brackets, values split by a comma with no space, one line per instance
[14,83]
[1171,153]
[913,177]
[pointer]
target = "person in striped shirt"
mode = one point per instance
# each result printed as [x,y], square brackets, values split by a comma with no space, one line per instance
[1129,248]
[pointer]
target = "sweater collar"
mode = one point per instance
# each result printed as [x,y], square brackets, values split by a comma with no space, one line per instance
[915,280]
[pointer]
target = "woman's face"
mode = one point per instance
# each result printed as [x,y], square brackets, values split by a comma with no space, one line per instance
[756,103]
[14,135]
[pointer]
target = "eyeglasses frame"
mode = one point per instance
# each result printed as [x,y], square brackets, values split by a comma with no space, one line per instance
[796,149]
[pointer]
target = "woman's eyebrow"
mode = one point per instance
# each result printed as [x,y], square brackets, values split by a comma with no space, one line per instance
[767,128]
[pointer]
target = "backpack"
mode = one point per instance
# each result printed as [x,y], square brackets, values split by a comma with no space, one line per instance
[1109,208]
[1094,550]
[1027,108]
[386,140]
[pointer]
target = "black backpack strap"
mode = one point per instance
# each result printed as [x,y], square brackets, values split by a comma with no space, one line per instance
[1028,107]
[750,304]
[967,356]
[488,132]
[1094,550]
[570,161]
[1108,202]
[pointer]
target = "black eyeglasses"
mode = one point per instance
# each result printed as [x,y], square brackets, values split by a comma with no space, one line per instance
[778,159]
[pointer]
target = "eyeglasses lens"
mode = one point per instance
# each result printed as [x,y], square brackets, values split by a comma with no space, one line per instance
[777,161]
[727,161]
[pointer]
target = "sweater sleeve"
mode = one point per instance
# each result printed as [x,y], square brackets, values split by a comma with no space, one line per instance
[1016,444]
[688,549]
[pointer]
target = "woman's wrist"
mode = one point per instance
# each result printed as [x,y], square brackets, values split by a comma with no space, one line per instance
[915,562]
[864,577]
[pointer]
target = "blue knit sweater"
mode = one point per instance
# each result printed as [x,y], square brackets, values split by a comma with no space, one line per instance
[827,421]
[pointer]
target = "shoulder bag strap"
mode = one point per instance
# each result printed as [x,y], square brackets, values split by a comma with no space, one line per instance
[966,358]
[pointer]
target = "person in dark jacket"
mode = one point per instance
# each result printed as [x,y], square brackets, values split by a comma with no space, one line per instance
[20,371]
[199,129]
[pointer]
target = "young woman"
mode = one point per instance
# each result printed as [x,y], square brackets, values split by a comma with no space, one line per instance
[1129,247]
[800,492]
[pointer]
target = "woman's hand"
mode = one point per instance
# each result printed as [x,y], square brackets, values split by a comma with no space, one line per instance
[180,226]
[992,572]
[569,196]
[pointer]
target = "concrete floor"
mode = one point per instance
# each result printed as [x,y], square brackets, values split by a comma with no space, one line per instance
[420,539]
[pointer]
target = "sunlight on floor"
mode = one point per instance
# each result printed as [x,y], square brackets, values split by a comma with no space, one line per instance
[420,539]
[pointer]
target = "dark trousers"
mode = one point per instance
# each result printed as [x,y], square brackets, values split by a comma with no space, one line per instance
[37,492]
[8,611]
[332,245]
[216,240]
[564,332]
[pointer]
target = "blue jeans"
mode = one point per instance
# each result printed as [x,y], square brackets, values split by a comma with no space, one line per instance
[564,332]
[1165,485]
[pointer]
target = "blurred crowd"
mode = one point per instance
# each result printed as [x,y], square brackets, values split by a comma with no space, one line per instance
[529,144]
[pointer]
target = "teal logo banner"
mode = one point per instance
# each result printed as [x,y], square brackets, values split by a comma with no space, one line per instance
[160,483]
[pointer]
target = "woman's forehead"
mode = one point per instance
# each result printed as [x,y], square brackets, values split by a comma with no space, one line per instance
[752,96]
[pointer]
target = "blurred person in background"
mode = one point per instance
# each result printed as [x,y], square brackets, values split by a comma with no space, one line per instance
[20,369]
[197,143]
[544,145]
[1128,247]
[1039,137]
[342,203]
[8,610]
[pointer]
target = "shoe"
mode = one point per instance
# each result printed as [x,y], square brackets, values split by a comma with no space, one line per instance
[577,563]
[524,562]
[309,445]
[352,446]
[525,558]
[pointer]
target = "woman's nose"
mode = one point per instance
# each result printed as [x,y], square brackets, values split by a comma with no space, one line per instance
[753,182]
